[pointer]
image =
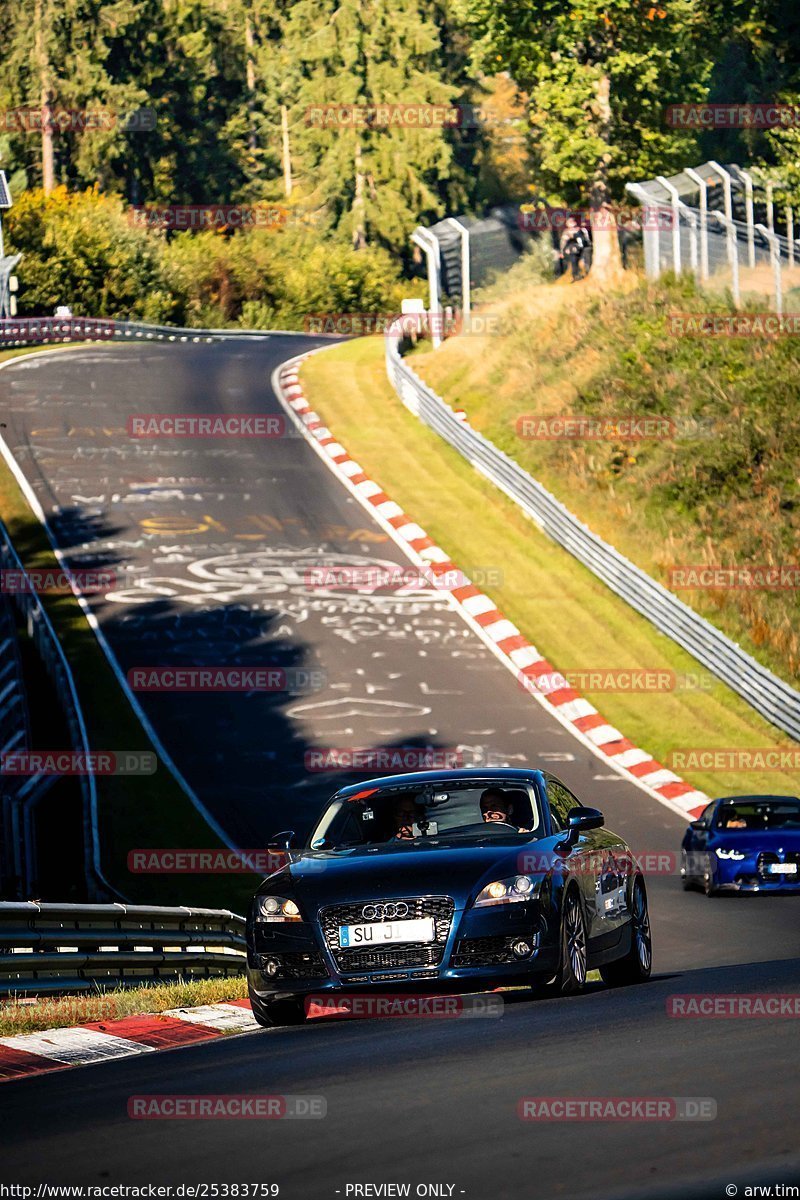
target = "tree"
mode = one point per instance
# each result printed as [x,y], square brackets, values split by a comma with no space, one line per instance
[375,182]
[600,74]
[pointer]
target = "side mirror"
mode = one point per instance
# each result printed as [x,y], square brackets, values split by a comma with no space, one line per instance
[700,826]
[285,840]
[579,819]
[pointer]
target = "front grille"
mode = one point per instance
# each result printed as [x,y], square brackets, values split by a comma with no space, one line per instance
[425,954]
[483,952]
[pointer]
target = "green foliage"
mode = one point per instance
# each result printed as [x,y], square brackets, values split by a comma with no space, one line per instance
[81,248]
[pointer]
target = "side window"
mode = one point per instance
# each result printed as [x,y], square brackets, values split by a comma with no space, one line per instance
[561,800]
[708,812]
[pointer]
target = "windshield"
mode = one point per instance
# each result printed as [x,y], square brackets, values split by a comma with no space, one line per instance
[759,815]
[404,817]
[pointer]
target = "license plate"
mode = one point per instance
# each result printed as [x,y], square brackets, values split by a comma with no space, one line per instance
[380,933]
[782,868]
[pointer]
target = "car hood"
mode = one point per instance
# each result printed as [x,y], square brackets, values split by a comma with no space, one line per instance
[752,840]
[448,867]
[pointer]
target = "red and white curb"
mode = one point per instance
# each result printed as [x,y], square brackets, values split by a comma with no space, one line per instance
[26,1054]
[534,672]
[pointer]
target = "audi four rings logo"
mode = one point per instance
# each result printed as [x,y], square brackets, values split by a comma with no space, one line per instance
[385,912]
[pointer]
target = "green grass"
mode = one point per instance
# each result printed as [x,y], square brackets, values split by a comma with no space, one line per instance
[62,1012]
[569,615]
[134,812]
[727,494]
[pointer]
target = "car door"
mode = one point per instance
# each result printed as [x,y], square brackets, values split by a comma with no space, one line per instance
[600,862]
[696,842]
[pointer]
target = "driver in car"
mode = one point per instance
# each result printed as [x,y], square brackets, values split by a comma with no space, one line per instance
[406,814]
[496,806]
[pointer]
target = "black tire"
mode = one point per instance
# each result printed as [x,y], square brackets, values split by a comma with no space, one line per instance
[687,882]
[637,964]
[573,960]
[708,878]
[271,1014]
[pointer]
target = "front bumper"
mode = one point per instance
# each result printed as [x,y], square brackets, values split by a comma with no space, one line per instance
[476,954]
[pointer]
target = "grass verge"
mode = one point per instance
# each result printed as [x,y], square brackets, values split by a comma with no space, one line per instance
[134,812]
[571,617]
[717,484]
[64,1011]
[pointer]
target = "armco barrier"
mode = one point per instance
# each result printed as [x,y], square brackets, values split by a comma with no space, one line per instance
[19,801]
[767,694]
[46,331]
[83,947]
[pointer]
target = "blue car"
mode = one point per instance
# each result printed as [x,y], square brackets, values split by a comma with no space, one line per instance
[455,881]
[744,844]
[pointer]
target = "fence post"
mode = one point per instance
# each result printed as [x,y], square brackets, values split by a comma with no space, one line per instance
[748,205]
[703,186]
[430,245]
[466,298]
[775,261]
[650,231]
[733,254]
[676,221]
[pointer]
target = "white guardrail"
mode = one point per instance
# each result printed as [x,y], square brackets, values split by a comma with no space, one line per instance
[764,691]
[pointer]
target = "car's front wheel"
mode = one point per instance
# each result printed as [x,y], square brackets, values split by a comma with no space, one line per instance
[637,964]
[271,1014]
[571,975]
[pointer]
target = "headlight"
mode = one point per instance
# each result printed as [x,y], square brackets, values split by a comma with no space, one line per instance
[736,855]
[276,908]
[507,891]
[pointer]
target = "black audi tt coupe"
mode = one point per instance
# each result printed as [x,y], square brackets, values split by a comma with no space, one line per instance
[457,881]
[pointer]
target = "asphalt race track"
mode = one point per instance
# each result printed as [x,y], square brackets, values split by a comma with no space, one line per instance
[211,541]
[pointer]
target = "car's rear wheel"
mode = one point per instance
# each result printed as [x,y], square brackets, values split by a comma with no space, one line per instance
[274,1013]
[637,964]
[572,967]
